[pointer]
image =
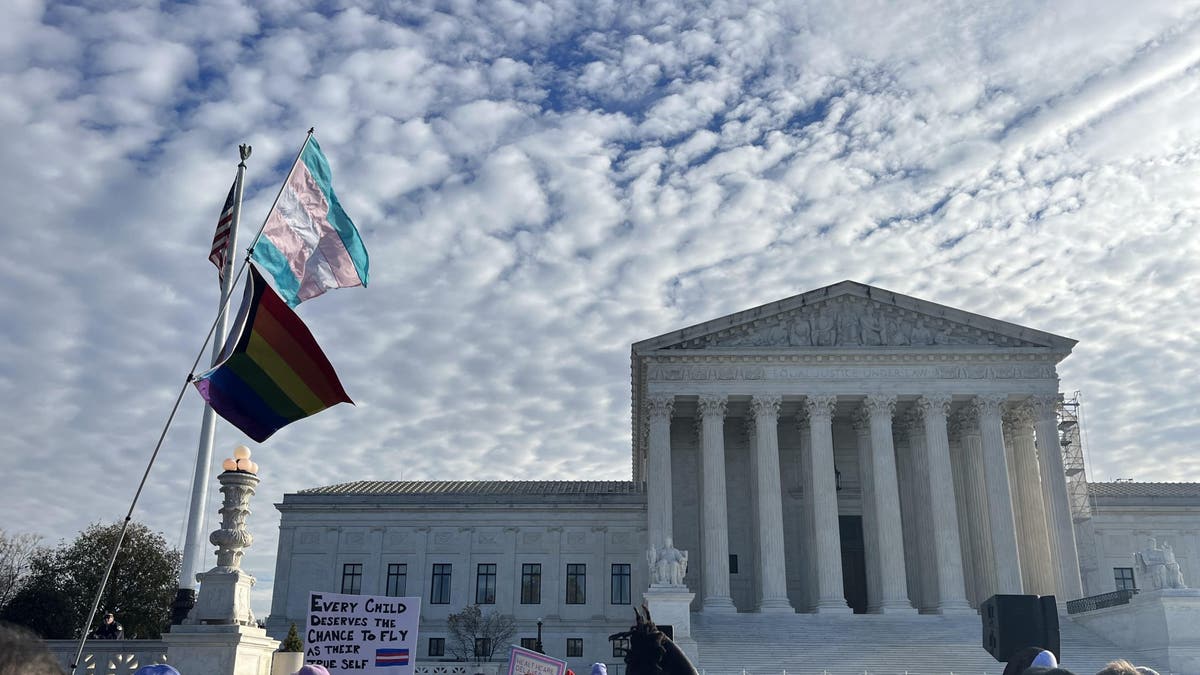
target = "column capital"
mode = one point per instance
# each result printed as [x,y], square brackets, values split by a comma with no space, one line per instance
[660,406]
[767,405]
[860,419]
[989,404]
[1045,407]
[880,404]
[911,422]
[711,405]
[1018,417]
[934,403]
[820,406]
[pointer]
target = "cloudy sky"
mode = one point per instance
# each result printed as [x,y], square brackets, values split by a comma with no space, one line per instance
[539,185]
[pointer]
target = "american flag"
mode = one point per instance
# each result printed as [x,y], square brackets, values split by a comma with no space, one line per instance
[220,245]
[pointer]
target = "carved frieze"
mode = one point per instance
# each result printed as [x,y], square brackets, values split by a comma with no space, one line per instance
[851,322]
[672,372]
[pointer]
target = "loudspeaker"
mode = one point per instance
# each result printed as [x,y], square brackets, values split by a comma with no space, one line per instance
[1014,622]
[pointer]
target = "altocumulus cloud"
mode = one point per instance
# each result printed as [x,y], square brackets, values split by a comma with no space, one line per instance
[540,185]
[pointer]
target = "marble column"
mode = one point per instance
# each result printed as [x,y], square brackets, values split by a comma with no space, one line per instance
[658,469]
[1001,520]
[911,469]
[1034,543]
[947,550]
[958,466]
[893,590]
[975,490]
[861,421]
[1058,502]
[831,596]
[808,539]
[715,520]
[772,570]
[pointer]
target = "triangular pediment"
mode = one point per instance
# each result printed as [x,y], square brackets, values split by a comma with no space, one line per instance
[851,315]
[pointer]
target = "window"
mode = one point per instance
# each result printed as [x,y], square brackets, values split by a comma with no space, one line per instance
[483,648]
[574,647]
[437,646]
[485,584]
[620,646]
[529,643]
[352,578]
[439,589]
[1124,578]
[620,583]
[397,579]
[733,563]
[576,584]
[531,584]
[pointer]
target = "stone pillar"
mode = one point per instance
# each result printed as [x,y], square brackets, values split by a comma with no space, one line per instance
[808,540]
[1001,521]
[947,550]
[1034,544]
[861,422]
[911,468]
[715,519]
[831,596]
[658,469]
[1058,503]
[772,571]
[889,532]
[958,466]
[975,490]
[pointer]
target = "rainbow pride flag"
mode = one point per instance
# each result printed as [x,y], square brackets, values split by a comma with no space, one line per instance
[271,371]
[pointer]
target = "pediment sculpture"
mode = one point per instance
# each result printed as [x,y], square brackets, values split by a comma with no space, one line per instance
[851,322]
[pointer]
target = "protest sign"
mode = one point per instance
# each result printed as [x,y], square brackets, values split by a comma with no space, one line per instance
[362,634]
[528,662]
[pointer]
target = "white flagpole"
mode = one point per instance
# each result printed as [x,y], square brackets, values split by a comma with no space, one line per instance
[193,547]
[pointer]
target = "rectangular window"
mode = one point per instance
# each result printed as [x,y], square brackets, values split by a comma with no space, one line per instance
[620,646]
[483,648]
[439,588]
[352,578]
[437,646]
[397,579]
[529,643]
[531,584]
[621,583]
[733,563]
[576,584]
[574,647]
[485,584]
[1124,578]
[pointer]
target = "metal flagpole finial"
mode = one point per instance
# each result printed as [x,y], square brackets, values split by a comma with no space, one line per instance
[244,151]
[311,130]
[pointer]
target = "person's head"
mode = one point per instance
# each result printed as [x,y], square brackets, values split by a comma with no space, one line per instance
[1119,667]
[23,653]
[1029,657]
[312,669]
[1146,670]
[1045,670]
[601,669]
[109,618]
[156,669]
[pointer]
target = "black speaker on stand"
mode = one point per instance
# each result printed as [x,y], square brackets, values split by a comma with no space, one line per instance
[1013,622]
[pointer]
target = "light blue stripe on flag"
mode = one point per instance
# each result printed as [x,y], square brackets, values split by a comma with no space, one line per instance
[318,166]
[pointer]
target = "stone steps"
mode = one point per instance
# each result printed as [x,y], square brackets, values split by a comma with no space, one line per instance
[810,644]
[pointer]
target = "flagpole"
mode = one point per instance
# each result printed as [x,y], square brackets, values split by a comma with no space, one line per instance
[193,547]
[171,418]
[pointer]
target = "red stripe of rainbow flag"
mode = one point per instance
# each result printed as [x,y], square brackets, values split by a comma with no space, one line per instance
[272,372]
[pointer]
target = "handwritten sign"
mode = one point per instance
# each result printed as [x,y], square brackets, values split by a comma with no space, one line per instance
[362,634]
[528,662]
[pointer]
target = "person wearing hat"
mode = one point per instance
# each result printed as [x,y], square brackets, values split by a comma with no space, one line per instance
[156,669]
[110,629]
[312,669]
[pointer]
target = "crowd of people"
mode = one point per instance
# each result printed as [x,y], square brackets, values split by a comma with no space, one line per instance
[650,653]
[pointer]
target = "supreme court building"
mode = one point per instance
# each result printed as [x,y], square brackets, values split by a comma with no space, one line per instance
[845,451]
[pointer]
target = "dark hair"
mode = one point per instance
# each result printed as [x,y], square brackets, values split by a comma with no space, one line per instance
[1045,670]
[23,653]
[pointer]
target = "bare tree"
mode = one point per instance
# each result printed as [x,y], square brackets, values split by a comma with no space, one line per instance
[475,635]
[16,550]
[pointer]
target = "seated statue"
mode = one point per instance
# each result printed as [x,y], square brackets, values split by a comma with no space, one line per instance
[667,564]
[1158,567]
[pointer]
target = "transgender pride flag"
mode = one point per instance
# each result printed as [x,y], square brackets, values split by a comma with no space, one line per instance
[391,657]
[309,244]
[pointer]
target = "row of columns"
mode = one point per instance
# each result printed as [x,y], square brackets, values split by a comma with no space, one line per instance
[1002,502]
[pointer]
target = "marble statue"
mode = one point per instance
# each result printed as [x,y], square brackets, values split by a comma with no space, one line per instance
[668,565]
[1158,566]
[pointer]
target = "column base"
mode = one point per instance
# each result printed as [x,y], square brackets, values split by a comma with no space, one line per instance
[833,607]
[718,604]
[775,606]
[897,607]
[955,608]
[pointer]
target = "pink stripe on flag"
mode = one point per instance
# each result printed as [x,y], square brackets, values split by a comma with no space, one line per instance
[300,229]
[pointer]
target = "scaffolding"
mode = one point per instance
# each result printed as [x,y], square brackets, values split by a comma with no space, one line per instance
[1070,437]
